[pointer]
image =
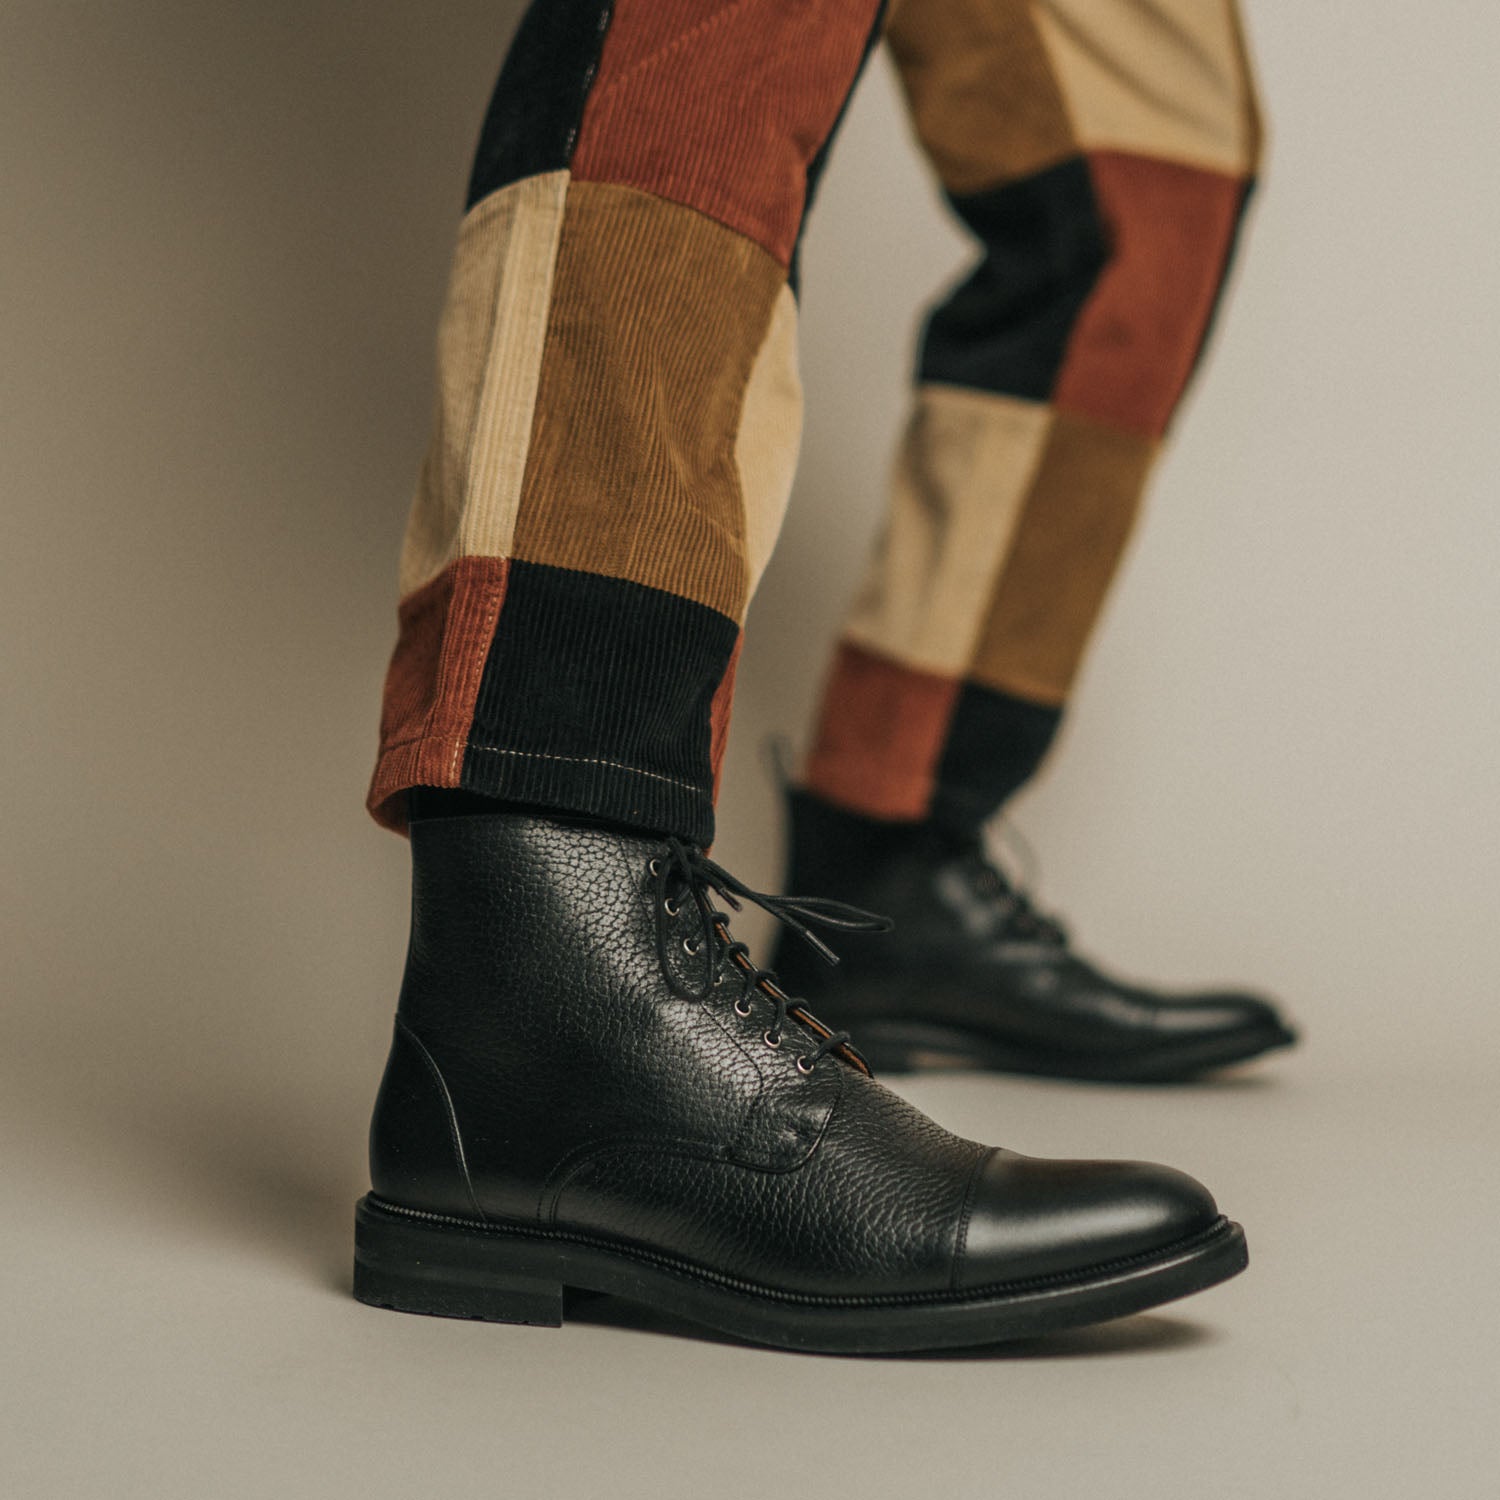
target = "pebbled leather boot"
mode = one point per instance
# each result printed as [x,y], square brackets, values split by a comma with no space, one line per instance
[973,976]
[592,1086]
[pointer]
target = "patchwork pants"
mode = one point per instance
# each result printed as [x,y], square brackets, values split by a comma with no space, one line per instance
[618,406]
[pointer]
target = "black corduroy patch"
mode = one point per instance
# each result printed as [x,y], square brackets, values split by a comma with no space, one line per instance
[1006,328]
[597,697]
[534,113]
[995,741]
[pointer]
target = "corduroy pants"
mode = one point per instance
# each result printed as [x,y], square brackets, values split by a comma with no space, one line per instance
[618,406]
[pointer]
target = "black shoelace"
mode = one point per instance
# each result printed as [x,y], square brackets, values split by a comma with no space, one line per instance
[1012,903]
[688,873]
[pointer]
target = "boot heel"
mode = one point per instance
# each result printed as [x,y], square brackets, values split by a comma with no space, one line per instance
[449,1271]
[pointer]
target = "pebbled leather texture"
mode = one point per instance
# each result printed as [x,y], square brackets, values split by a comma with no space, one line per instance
[954,961]
[544,1074]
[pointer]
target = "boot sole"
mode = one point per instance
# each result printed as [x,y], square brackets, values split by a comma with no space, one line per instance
[921,1047]
[448,1267]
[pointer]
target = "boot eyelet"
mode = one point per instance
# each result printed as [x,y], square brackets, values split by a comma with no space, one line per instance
[670,907]
[742,1007]
[771,1039]
[655,867]
[804,1067]
[692,947]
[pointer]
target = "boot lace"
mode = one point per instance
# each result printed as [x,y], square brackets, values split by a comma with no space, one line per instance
[1010,900]
[687,873]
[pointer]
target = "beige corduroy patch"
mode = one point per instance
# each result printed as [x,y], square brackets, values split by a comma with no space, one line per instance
[961,477]
[490,343]
[1167,78]
[770,433]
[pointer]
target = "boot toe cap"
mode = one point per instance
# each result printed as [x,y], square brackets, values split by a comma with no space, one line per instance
[1030,1217]
[1223,1014]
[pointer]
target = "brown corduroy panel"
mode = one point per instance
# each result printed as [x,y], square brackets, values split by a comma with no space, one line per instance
[1138,336]
[1077,519]
[722,106]
[433,680]
[657,316]
[769,436]
[879,736]
[981,89]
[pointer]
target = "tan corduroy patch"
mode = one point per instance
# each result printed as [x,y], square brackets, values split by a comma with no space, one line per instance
[489,357]
[657,316]
[961,476]
[1067,546]
[981,89]
[1164,78]
[765,448]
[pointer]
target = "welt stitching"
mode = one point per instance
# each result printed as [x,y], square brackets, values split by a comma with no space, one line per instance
[734,1283]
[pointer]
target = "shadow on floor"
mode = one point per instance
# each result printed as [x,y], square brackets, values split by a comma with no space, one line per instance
[276,1171]
[266,1170]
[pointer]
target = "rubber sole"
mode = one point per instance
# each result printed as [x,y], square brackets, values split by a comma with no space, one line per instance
[922,1046]
[455,1268]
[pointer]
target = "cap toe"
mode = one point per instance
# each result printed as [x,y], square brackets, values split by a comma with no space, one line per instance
[1031,1217]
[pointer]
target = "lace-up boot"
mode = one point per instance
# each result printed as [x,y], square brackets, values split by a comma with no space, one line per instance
[973,976]
[593,1087]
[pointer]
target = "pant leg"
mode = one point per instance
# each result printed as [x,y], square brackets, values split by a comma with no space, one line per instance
[1101,151]
[618,406]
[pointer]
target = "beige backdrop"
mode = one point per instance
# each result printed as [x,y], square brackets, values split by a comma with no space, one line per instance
[224,233]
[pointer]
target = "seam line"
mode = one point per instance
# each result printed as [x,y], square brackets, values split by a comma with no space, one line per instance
[587,760]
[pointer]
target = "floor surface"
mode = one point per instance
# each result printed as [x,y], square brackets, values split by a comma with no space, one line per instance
[177,1322]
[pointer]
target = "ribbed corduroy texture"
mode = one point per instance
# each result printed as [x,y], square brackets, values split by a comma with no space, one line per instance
[598,697]
[619,408]
[723,106]
[1102,152]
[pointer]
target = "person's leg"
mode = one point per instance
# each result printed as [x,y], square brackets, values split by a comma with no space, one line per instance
[591,1085]
[618,407]
[1102,153]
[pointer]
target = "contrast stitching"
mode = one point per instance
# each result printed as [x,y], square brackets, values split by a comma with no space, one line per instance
[584,760]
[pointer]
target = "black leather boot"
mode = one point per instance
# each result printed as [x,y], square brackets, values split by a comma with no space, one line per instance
[972,976]
[593,1087]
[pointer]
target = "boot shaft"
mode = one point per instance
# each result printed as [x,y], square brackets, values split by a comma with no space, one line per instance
[536,1022]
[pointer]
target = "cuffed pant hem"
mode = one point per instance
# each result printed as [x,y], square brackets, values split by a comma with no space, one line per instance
[577,785]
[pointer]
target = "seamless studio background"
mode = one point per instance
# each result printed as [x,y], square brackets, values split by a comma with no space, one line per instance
[225,237]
